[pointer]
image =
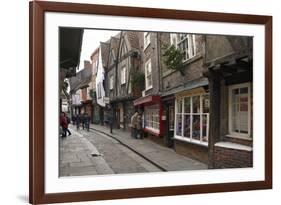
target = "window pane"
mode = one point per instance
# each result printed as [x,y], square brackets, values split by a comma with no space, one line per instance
[196,104]
[179,124]
[179,106]
[187,104]
[206,103]
[196,127]
[243,90]
[235,118]
[171,118]
[243,113]
[149,67]
[240,110]
[204,127]
[149,80]
[186,132]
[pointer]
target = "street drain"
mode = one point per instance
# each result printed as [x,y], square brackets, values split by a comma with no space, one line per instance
[96,155]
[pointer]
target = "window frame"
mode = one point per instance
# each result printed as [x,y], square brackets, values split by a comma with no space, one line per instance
[190,40]
[148,62]
[190,139]
[123,73]
[152,111]
[146,40]
[237,134]
[111,82]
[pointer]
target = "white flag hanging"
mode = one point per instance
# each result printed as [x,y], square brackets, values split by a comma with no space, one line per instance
[99,82]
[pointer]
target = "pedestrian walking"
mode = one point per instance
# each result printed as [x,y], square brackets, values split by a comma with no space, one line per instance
[86,121]
[82,120]
[74,119]
[68,122]
[134,125]
[64,124]
[78,121]
[110,120]
[139,126]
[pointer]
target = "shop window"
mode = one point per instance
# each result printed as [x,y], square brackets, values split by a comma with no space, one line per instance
[152,120]
[240,110]
[192,118]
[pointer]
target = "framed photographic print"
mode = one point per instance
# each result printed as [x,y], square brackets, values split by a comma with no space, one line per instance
[132,102]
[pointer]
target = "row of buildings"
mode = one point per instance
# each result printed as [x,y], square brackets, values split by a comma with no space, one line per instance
[195,92]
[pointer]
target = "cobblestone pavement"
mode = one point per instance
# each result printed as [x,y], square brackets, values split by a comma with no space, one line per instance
[96,152]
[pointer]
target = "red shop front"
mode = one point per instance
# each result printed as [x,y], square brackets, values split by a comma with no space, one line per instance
[153,122]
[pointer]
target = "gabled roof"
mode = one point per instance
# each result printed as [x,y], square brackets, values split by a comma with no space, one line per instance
[104,53]
[81,79]
[114,45]
[94,53]
[133,39]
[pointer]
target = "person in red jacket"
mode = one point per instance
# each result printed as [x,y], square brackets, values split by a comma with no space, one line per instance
[64,124]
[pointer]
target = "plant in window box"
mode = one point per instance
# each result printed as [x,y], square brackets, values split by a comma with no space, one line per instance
[173,58]
[137,82]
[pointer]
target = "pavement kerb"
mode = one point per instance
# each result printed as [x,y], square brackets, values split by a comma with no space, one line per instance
[129,147]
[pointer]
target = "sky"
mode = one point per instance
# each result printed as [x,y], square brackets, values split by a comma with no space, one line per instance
[91,41]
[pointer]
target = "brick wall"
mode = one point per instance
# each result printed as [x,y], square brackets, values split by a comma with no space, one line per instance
[232,158]
[238,141]
[192,68]
[150,52]
[159,140]
[196,152]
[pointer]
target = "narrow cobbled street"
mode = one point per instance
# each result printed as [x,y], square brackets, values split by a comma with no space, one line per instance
[99,152]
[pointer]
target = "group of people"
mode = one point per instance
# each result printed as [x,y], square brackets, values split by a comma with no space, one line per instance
[136,125]
[64,121]
[82,119]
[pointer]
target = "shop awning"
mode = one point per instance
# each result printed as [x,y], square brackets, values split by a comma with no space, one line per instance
[200,82]
[147,99]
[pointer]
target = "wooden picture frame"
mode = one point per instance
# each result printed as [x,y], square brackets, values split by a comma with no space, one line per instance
[37,98]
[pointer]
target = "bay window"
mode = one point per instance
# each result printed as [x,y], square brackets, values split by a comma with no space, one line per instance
[192,118]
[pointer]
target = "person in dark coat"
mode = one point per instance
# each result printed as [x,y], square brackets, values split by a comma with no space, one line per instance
[68,122]
[78,121]
[74,119]
[110,120]
[86,121]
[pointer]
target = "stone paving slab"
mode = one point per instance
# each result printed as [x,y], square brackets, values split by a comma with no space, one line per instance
[120,158]
[76,157]
[163,156]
